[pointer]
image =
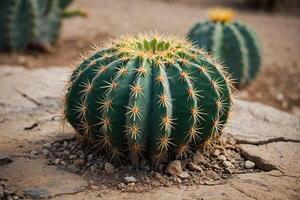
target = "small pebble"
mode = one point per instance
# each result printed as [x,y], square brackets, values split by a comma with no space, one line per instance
[66,152]
[90,157]
[71,157]
[109,168]
[73,169]
[65,144]
[130,179]
[55,144]
[198,157]
[221,158]
[120,186]
[131,184]
[47,145]
[174,168]
[228,171]
[216,153]
[45,152]
[93,168]
[155,184]
[194,167]
[34,153]
[57,161]
[249,164]
[158,176]
[79,162]
[228,164]
[1,193]
[184,175]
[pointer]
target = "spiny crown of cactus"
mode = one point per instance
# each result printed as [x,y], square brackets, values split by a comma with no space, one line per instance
[232,42]
[148,96]
[31,23]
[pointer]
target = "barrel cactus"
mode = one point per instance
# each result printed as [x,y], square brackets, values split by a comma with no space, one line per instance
[148,96]
[31,23]
[231,41]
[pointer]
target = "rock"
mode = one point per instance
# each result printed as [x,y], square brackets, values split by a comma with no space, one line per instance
[9,198]
[65,144]
[155,183]
[221,158]
[47,145]
[228,171]
[66,152]
[79,162]
[184,175]
[56,144]
[212,175]
[15,197]
[249,164]
[34,153]
[109,168]
[94,187]
[1,193]
[71,157]
[57,161]
[130,179]
[131,184]
[216,166]
[255,123]
[90,157]
[194,167]
[174,168]
[216,153]
[120,186]
[158,176]
[198,157]
[73,169]
[45,152]
[36,193]
[93,168]
[177,179]
[228,164]
[4,159]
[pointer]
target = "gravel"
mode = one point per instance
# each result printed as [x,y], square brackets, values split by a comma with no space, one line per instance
[197,168]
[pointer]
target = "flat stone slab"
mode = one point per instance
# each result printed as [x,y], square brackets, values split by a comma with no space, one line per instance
[257,124]
[34,178]
[283,156]
[29,116]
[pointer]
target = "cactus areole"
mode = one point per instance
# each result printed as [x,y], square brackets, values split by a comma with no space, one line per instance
[232,42]
[148,97]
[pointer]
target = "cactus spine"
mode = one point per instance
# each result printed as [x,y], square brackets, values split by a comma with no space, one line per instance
[151,96]
[231,41]
[25,23]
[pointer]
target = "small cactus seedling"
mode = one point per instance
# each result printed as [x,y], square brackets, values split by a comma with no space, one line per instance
[231,41]
[31,23]
[148,96]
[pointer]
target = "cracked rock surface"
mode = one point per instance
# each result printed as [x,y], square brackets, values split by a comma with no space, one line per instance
[29,117]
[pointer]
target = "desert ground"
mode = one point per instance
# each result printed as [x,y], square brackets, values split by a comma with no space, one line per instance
[278,84]
[265,125]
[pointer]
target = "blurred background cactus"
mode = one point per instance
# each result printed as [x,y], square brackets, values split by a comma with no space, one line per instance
[155,96]
[271,5]
[232,42]
[32,24]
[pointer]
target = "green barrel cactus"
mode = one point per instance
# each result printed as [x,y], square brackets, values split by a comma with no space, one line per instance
[148,97]
[232,42]
[30,23]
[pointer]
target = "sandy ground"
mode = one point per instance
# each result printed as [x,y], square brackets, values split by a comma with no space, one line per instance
[278,84]
[29,119]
